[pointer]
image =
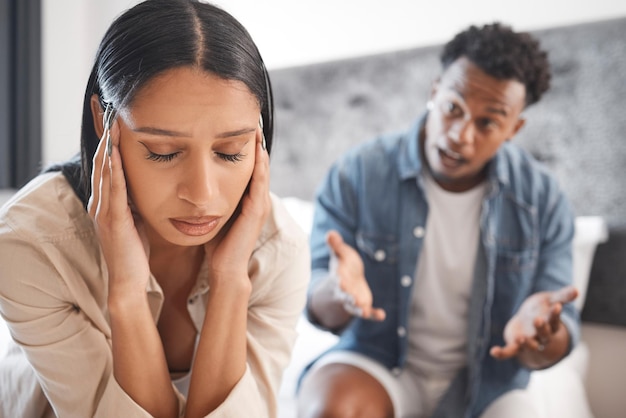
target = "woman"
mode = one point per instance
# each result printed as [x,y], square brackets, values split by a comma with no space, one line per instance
[158,276]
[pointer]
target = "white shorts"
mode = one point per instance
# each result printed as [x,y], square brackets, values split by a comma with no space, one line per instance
[416,396]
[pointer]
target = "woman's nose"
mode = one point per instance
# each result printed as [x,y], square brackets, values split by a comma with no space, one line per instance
[197,186]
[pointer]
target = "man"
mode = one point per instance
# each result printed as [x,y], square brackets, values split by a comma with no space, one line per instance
[442,255]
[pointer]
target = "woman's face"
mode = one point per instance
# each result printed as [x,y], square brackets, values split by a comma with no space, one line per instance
[187,143]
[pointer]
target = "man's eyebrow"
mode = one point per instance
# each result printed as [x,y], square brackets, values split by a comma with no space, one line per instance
[497,110]
[490,109]
[167,132]
[458,92]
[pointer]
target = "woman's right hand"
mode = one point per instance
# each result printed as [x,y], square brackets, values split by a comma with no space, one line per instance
[352,288]
[135,342]
[119,230]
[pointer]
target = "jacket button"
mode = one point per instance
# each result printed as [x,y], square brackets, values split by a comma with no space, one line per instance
[396,371]
[418,232]
[401,331]
[405,281]
[380,255]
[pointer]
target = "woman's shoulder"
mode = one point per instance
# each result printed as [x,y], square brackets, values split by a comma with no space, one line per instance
[281,230]
[48,245]
[45,209]
[280,264]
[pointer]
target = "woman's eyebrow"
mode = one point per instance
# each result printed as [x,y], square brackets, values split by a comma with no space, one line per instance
[160,132]
[237,132]
[167,132]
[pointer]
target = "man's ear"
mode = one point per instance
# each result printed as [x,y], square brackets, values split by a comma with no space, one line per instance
[97,113]
[521,121]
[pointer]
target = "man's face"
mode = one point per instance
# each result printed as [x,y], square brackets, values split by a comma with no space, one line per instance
[473,114]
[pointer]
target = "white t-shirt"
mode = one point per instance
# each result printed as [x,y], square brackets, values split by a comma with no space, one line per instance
[444,273]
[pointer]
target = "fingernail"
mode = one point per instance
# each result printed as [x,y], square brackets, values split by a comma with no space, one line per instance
[109,144]
[263,143]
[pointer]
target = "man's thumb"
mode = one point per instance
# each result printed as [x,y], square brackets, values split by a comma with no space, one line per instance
[335,242]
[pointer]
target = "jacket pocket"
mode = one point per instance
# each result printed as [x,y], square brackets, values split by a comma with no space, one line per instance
[377,248]
[380,255]
[515,262]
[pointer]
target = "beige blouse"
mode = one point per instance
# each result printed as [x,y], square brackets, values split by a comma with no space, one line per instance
[53,296]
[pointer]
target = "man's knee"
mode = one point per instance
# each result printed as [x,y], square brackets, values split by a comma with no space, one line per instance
[342,391]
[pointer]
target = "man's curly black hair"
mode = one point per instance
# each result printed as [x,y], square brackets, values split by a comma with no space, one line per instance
[504,54]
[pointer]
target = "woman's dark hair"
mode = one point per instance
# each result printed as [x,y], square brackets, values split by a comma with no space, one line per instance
[504,54]
[155,36]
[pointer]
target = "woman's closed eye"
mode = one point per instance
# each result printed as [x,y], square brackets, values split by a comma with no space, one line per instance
[159,157]
[233,158]
[232,149]
[163,158]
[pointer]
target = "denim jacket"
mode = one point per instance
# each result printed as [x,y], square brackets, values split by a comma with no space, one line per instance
[373,196]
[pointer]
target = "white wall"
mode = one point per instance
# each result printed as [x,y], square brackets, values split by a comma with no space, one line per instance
[72,30]
[292,32]
[288,33]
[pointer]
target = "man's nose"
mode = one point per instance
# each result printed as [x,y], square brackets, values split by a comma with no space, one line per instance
[461,133]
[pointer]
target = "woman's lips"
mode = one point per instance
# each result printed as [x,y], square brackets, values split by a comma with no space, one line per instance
[195,227]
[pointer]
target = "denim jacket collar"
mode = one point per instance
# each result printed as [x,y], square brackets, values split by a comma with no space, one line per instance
[410,163]
[498,172]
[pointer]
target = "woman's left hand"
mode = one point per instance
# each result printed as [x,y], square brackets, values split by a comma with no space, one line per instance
[230,251]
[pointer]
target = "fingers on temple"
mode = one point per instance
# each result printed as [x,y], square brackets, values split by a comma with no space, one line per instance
[104,186]
[119,200]
[261,169]
[96,175]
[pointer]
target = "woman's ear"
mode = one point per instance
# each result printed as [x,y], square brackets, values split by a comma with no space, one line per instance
[97,113]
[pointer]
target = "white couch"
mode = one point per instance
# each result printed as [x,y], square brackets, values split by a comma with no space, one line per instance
[558,391]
